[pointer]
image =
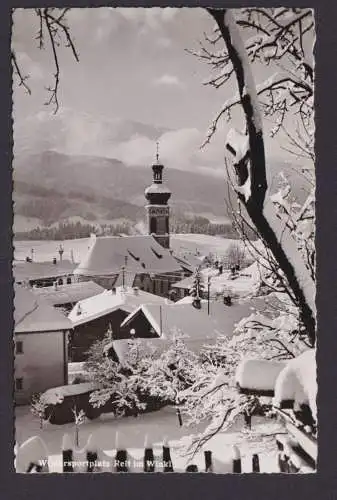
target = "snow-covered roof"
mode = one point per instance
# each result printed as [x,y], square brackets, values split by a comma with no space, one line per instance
[258,375]
[166,319]
[144,255]
[65,294]
[294,380]
[33,314]
[127,299]
[157,188]
[56,395]
[186,283]
[189,299]
[24,271]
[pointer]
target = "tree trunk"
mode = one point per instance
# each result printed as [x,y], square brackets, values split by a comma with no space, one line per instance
[252,179]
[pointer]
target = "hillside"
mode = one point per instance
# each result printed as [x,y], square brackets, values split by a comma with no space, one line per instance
[52,186]
[72,165]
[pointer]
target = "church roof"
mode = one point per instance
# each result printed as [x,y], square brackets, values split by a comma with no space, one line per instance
[144,255]
[33,314]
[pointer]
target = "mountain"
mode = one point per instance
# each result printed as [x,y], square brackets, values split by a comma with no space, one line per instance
[77,165]
[53,186]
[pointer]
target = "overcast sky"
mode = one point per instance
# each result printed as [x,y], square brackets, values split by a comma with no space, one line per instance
[133,66]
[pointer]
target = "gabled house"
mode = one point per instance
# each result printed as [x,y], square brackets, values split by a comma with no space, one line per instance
[138,261]
[43,274]
[162,322]
[92,318]
[40,338]
[65,297]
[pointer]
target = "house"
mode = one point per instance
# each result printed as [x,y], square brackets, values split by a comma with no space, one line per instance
[182,287]
[66,297]
[92,318]
[41,274]
[138,261]
[163,322]
[40,337]
[293,387]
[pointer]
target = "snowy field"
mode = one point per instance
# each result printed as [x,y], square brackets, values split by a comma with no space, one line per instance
[155,427]
[181,244]
[241,285]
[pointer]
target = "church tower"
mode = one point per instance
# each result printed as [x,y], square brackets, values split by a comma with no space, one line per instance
[158,211]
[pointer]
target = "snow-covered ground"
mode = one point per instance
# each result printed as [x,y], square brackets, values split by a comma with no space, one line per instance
[155,427]
[242,285]
[180,243]
[201,243]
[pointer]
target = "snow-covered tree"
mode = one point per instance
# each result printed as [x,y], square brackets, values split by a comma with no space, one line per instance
[198,288]
[171,372]
[79,419]
[279,38]
[38,408]
[214,397]
[118,383]
[235,255]
[52,30]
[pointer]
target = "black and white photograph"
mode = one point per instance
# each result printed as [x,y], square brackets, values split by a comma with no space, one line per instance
[164,240]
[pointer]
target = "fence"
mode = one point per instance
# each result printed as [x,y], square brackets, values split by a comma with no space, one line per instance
[33,457]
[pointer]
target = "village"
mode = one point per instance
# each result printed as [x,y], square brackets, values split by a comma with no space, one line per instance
[133,303]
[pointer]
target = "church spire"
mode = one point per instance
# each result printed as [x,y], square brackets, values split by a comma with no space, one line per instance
[157,209]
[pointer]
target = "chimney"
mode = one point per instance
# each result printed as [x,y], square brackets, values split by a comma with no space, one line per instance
[136,290]
[79,310]
[54,260]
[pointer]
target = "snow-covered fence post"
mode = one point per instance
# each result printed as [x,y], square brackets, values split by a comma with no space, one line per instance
[208,461]
[167,462]
[250,167]
[149,465]
[256,463]
[236,460]
[121,457]
[67,454]
[32,456]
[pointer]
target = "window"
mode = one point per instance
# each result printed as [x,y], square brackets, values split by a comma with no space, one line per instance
[19,384]
[60,281]
[153,225]
[19,347]
[68,281]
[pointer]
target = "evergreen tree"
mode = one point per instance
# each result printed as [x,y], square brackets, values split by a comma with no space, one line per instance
[198,288]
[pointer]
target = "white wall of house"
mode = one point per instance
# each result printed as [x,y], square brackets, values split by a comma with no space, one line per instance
[41,365]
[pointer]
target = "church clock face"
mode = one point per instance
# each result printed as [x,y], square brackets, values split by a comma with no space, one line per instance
[159,211]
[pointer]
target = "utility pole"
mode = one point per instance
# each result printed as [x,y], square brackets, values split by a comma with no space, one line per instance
[123,272]
[208,292]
